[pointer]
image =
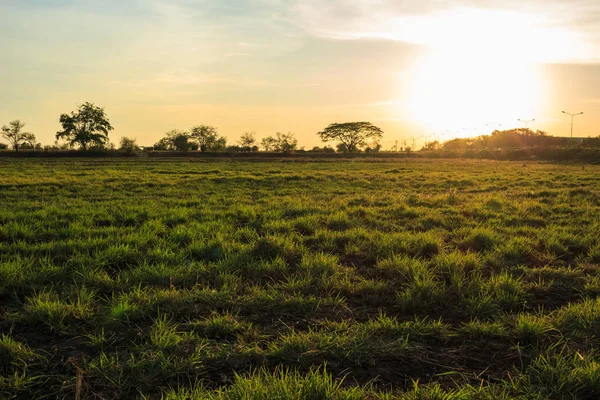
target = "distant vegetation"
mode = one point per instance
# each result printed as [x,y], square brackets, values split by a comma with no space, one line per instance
[511,139]
[88,129]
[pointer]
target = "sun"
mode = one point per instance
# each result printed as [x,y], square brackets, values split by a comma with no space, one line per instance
[454,91]
[469,85]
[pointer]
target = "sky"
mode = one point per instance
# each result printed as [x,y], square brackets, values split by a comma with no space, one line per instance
[426,69]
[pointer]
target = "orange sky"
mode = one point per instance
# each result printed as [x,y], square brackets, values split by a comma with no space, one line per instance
[415,68]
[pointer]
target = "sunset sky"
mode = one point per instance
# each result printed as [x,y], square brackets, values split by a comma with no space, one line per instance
[414,68]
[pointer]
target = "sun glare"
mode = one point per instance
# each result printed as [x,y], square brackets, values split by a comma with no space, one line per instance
[477,76]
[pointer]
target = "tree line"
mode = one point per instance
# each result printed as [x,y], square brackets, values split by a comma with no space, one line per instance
[520,138]
[88,128]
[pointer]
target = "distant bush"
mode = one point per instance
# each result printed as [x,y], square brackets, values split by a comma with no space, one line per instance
[129,145]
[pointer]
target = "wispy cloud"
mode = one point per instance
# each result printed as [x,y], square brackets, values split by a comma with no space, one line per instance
[551,30]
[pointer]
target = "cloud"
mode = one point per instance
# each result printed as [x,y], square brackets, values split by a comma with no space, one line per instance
[142,45]
[550,30]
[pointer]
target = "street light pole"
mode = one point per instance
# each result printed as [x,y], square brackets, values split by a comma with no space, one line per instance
[572,118]
[526,122]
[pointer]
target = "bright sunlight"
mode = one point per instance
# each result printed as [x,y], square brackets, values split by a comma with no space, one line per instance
[477,75]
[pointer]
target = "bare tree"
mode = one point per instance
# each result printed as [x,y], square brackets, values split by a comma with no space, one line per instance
[247,141]
[29,138]
[13,132]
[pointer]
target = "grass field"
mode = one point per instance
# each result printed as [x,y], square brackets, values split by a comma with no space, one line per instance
[183,279]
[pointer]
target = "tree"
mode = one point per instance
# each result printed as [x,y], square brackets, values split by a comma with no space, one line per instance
[373,147]
[353,135]
[285,142]
[268,143]
[247,141]
[175,140]
[431,146]
[89,126]
[181,142]
[29,138]
[282,143]
[128,145]
[208,138]
[341,148]
[13,132]
[161,145]
[324,149]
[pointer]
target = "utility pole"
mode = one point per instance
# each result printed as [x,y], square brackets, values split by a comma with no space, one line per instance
[526,122]
[572,118]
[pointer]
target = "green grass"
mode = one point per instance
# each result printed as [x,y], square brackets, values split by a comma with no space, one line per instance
[378,279]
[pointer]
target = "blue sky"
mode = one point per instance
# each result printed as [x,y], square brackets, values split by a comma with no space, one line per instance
[412,67]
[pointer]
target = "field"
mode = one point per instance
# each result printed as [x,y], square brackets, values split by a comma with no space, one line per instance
[196,279]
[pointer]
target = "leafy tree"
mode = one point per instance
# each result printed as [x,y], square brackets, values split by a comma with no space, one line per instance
[324,149]
[88,127]
[3,146]
[285,142]
[457,144]
[208,138]
[247,141]
[374,147]
[181,142]
[282,142]
[162,145]
[353,135]
[341,148]
[513,138]
[175,140]
[13,132]
[29,139]
[128,145]
[268,143]
[431,146]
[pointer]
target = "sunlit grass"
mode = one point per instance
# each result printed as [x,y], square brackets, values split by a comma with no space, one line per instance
[194,279]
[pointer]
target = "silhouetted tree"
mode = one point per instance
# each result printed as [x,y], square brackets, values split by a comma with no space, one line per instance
[354,135]
[88,127]
[128,145]
[181,143]
[247,141]
[373,147]
[285,142]
[341,148]
[324,149]
[268,143]
[208,138]
[13,132]
[431,146]
[457,144]
[29,139]
[175,140]
[512,138]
